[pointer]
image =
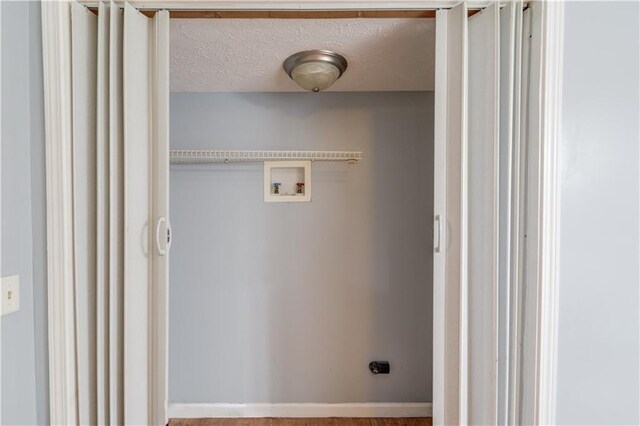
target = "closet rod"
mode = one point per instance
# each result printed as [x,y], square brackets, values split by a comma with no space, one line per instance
[191,156]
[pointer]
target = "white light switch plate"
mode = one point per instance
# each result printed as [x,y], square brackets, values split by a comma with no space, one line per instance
[10,294]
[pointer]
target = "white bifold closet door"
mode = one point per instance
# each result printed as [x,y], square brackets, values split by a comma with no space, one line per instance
[146,150]
[84,25]
[483,186]
[509,231]
[120,84]
[474,138]
[450,189]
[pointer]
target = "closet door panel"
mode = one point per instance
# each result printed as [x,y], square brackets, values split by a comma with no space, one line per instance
[102,216]
[146,191]
[507,40]
[449,203]
[483,178]
[116,219]
[531,101]
[83,58]
[160,166]
[137,78]
[509,176]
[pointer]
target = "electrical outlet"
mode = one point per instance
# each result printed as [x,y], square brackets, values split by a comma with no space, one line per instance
[10,294]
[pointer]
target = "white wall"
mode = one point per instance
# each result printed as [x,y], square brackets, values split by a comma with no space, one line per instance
[23,368]
[598,359]
[289,302]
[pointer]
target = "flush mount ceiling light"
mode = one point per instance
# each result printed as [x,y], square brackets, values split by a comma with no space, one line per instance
[315,70]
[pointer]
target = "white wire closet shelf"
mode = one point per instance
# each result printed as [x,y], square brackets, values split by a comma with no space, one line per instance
[190,156]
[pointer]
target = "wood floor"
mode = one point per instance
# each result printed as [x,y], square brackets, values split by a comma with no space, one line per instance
[332,421]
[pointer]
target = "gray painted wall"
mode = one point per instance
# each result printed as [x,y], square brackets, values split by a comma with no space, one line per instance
[289,302]
[598,343]
[24,371]
[38,211]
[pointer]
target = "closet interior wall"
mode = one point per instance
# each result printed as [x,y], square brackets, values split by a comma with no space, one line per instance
[286,303]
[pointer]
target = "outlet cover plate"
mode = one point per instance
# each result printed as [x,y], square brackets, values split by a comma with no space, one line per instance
[10,294]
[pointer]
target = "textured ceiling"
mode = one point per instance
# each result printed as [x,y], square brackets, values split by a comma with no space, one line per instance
[245,55]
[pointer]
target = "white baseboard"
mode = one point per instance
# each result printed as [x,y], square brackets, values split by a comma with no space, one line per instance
[372,409]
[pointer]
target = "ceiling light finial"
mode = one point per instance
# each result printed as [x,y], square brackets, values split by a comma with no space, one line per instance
[315,70]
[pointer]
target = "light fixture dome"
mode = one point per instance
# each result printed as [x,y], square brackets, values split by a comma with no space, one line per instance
[315,70]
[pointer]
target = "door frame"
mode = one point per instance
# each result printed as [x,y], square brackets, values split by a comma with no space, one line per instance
[56,47]
[539,208]
[543,124]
